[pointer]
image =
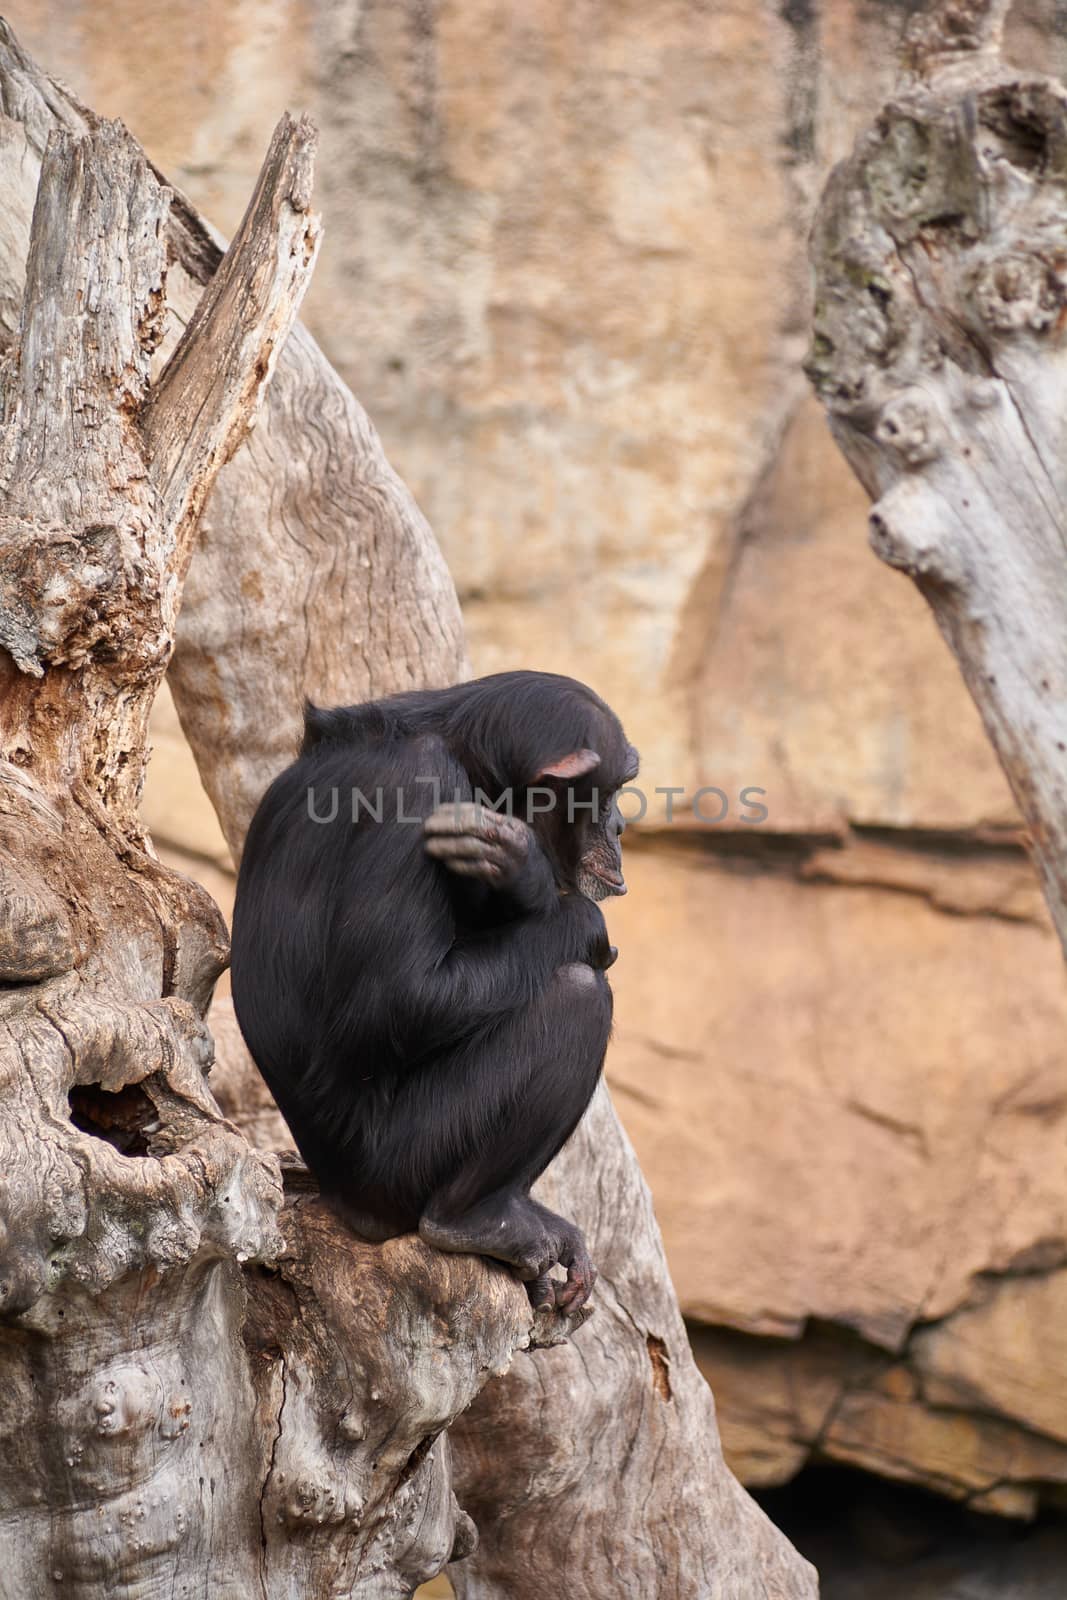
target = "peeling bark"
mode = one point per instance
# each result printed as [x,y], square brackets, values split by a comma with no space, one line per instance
[940,254]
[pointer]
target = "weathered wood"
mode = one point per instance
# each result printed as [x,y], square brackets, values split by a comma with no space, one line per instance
[205,1393]
[315,573]
[595,1468]
[940,254]
[207,396]
[340,588]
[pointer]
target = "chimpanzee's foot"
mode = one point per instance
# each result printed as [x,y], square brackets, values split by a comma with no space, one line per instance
[532,1239]
[564,1294]
[569,1294]
[502,1226]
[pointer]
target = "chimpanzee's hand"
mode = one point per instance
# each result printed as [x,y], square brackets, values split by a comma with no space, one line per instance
[500,851]
[478,843]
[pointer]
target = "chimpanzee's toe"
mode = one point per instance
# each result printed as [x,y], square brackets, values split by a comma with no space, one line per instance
[572,1295]
[542,1293]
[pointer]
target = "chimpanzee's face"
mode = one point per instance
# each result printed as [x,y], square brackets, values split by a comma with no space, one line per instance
[600,865]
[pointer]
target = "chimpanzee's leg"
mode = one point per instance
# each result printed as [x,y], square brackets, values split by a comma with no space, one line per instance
[552,1052]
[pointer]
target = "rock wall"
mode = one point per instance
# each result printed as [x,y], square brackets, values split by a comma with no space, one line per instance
[564,268]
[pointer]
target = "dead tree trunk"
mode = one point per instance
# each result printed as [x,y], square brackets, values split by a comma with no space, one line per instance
[940,253]
[171,1419]
[197,1403]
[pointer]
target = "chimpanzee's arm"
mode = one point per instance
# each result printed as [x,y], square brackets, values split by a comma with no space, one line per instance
[492,973]
[505,958]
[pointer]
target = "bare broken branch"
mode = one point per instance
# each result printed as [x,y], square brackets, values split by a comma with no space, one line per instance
[940,253]
[206,398]
[79,561]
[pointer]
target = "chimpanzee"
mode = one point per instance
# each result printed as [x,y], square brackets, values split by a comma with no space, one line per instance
[419,960]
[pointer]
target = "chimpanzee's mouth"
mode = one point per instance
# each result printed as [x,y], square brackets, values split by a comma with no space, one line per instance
[614,882]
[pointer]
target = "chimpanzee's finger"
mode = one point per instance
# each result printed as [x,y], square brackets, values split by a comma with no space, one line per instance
[478,821]
[445,847]
[449,818]
[581,1276]
[474,869]
[462,817]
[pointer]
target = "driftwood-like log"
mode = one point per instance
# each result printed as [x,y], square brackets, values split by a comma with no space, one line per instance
[940,254]
[599,1466]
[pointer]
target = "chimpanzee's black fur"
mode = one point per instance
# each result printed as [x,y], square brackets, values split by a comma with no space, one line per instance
[431,1038]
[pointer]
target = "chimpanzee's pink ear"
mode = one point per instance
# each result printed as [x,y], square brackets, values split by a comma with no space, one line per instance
[576,765]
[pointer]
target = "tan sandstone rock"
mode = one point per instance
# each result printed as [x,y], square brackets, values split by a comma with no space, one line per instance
[823,1093]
